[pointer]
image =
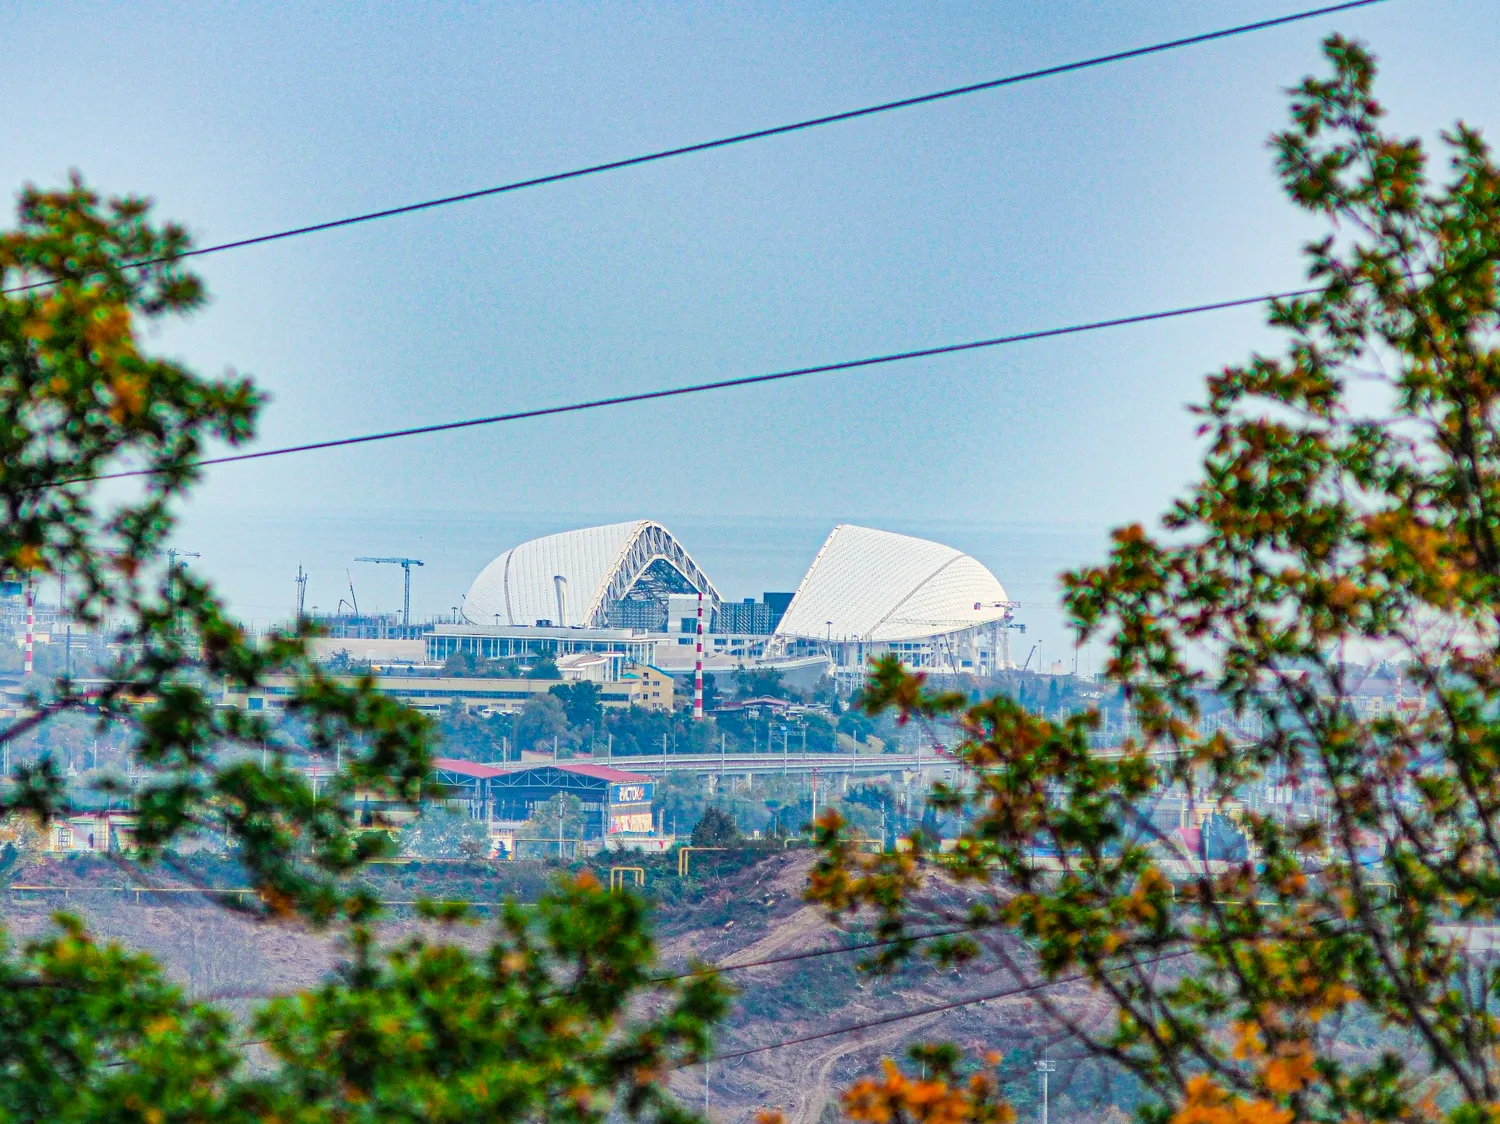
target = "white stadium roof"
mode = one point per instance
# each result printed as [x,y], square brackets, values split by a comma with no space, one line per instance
[599,565]
[877,586]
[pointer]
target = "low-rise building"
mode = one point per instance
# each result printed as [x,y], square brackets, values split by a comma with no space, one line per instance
[657,688]
[643,687]
[100,832]
[616,804]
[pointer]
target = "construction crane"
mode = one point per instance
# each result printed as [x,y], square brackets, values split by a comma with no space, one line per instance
[1002,629]
[173,554]
[406,564]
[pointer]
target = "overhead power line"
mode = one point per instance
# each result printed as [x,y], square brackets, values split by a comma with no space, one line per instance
[935,1009]
[758,134]
[836,950]
[711,969]
[702,387]
[707,970]
[885,1020]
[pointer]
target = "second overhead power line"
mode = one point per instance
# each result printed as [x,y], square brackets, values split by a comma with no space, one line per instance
[754,135]
[702,387]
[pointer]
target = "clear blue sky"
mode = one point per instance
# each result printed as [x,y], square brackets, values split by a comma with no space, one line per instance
[1133,187]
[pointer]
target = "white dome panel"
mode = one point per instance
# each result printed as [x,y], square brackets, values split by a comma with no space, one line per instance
[875,586]
[597,564]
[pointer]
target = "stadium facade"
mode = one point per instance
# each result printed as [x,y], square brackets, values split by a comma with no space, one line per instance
[615,576]
[632,586]
[869,593]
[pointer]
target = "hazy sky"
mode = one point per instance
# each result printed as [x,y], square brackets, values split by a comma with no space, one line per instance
[1125,189]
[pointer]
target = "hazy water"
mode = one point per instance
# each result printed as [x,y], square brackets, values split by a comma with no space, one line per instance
[253,554]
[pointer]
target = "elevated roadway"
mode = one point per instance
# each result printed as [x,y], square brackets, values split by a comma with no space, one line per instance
[789,764]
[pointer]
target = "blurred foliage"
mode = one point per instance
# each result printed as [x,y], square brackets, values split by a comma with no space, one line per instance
[559,1017]
[537,1026]
[1346,513]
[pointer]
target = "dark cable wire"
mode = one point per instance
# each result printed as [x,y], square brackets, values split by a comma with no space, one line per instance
[741,138]
[886,1020]
[706,970]
[698,388]
[808,954]
[1007,993]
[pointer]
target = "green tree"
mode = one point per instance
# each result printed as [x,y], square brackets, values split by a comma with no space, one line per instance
[1346,512]
[541,720]
[424,1030]
[580,703]
[716,829]
[760,682]
[545,667]
[460,663]
[441,834]
[475,737]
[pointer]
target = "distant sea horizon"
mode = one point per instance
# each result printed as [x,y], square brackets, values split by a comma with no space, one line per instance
[253,553]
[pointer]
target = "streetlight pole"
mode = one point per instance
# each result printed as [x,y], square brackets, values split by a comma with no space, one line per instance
[1045,1067]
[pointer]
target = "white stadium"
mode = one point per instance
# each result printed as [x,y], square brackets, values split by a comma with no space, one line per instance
[867,592]
[596,577]
[871,592]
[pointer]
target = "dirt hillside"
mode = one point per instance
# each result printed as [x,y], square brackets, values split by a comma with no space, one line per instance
[751,911]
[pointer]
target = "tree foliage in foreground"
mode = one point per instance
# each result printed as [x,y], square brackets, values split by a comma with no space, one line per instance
[1347,511]
[539,1026]
[558,1017]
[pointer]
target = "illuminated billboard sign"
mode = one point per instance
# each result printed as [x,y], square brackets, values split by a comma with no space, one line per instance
[630,793]
[634,821]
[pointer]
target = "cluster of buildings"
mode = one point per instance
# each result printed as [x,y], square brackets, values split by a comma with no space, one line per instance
[626,607]
[615,603]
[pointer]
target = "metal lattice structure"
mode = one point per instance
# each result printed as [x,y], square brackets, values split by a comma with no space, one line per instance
[575,579]
[645,557]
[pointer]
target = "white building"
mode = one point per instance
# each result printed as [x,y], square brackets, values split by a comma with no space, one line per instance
[632,589]
[869,593]
[616,576]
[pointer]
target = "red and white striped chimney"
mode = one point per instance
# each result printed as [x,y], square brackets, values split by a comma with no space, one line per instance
[30,621]
[698,668]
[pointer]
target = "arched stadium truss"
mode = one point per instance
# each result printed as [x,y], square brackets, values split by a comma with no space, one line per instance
[616,575]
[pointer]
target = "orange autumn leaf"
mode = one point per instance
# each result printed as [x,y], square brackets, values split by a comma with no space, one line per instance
[1289,1072]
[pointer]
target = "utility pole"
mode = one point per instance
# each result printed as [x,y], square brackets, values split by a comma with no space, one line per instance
[698,668]
[30,630]
[62,607]
[406,564]
[1044,1067]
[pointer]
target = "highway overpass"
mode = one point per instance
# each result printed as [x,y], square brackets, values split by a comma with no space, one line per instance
[930,762]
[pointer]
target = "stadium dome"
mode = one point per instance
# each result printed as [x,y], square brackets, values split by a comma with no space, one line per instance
[595,577]
[875,586]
